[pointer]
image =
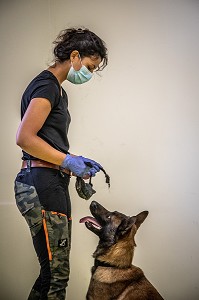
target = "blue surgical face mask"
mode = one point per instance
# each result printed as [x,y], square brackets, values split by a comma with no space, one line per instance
[78,77]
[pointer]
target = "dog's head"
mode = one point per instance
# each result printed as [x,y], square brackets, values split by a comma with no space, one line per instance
[111,226]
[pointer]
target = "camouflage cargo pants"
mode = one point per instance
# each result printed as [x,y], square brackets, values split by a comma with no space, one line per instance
[42,198]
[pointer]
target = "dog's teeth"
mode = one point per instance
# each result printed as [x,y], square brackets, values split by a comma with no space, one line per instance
[96,226]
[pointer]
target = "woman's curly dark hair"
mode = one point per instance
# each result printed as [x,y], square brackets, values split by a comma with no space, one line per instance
[84,41]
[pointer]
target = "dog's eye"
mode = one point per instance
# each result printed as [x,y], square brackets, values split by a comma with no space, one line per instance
[108,217]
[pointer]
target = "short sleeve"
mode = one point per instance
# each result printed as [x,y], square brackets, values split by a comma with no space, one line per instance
[48,90]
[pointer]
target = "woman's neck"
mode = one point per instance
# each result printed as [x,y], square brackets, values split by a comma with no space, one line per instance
[60,70]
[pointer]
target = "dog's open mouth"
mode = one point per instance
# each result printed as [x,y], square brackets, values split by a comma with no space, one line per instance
[91,223]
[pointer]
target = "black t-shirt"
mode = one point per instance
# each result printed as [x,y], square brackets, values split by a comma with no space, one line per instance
[54,130]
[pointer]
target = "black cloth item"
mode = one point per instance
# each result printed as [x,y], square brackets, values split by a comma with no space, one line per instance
[55,129]
[85,190]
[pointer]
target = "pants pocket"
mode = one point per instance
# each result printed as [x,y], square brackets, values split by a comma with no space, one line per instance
[57,231]
[29,206]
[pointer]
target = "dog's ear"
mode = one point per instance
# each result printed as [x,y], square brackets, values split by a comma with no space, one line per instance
[126,225]
[139,219]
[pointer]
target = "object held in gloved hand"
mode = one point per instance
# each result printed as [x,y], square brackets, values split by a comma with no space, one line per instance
[85,190]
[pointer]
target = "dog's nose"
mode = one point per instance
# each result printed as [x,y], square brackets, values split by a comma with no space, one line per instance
[94,204]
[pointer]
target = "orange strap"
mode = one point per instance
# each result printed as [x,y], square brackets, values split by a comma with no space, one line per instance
[46,235]
[60,214]
[57,213]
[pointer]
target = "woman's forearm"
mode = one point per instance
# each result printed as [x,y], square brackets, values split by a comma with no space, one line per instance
[37,147]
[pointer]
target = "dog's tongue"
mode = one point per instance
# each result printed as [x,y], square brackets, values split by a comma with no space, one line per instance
[89,219]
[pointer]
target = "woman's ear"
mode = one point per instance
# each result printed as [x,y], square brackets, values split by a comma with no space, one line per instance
[74,54]
[75,60]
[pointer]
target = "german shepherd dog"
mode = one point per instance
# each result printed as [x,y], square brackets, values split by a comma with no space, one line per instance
[113,275]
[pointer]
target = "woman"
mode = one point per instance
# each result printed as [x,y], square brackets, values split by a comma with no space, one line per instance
[41,187]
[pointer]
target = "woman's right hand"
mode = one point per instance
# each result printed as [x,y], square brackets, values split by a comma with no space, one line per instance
[81,166]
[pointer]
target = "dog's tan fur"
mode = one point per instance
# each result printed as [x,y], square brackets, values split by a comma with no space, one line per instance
[120,280]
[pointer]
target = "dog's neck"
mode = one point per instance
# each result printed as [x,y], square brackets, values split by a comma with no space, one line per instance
[119,255]
[99,263]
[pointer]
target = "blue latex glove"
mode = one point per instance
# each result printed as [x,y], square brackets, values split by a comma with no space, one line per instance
[80,165]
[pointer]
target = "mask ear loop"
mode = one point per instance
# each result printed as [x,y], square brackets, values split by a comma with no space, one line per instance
[80,59]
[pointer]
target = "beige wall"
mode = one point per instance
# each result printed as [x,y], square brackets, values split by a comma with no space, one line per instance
[139,119]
